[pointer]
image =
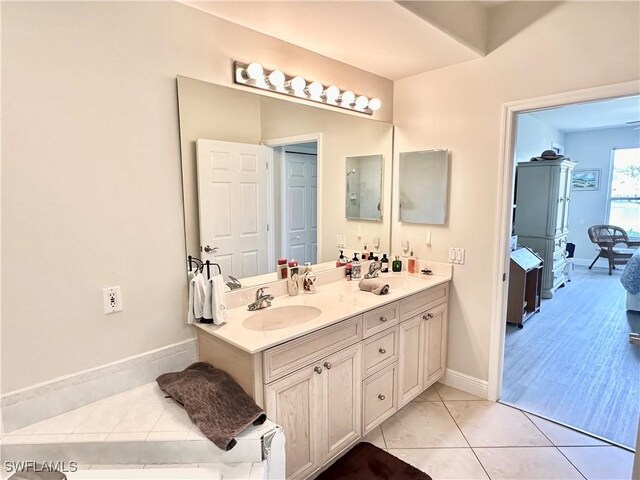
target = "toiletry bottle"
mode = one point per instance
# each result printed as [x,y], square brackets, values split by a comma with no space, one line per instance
[411,263]
[342,260]
[292,280]
[309,280]
[282,268]
[396,266]
[365,254]
[355,267]
[384,264]
[347,272]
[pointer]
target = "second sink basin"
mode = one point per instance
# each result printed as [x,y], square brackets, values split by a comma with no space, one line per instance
[281,317]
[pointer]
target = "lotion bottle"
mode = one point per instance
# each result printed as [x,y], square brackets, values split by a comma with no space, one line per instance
[411,264]
[309,280]
[292,280]
[384,264]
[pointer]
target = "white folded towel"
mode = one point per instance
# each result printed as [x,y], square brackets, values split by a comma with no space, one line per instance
[218,305]
[192,285]
[198,296]
[207,310]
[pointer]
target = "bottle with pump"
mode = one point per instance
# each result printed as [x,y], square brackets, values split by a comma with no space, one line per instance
[411,264]
[384,264]
[355,267]
[347,271]
[292,280]
[396,266]
[309,280]
[342,260]
[365,254]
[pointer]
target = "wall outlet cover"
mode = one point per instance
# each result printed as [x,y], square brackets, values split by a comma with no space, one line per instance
[112,298]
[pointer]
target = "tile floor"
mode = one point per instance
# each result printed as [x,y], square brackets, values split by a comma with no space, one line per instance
[450,434]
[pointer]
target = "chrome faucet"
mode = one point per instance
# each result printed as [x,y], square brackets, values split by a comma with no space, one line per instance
[374,269]
[233,283]
[262,300]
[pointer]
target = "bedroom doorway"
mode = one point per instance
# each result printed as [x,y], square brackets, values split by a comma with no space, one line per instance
[550,355]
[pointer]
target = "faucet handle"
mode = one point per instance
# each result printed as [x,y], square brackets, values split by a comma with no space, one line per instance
[260,291]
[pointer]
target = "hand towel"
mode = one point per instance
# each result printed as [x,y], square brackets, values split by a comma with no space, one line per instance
[218,305]
[198,296]
[374,286]
[207,310]
[192,286]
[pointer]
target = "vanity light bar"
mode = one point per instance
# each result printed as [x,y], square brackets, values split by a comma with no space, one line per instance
[254,75]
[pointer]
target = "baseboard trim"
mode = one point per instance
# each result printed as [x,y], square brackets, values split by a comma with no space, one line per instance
[466,383]
[36,403]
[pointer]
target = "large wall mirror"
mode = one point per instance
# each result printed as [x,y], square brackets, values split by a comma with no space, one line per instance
[266,178]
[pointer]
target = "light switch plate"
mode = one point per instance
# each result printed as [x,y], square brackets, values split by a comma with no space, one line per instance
[340,241]
[456,255]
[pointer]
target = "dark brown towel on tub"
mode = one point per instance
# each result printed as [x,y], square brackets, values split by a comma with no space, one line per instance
[214,402]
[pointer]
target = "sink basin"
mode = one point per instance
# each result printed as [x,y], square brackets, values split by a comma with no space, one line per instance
[281,317]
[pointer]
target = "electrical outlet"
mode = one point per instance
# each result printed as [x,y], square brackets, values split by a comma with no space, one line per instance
[340,241]
[456,255]
[112,300]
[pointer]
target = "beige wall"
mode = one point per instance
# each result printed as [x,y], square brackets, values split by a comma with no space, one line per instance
[91,190]
[576,45]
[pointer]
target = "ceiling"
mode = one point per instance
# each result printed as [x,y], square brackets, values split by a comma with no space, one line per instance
[388,38]
[589,116]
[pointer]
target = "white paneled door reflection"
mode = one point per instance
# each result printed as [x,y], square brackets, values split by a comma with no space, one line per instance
[301,204]
[233,199]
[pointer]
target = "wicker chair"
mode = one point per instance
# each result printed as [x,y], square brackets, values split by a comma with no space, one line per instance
[607,238]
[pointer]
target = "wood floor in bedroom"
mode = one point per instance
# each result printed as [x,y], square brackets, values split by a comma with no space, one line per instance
[573,362]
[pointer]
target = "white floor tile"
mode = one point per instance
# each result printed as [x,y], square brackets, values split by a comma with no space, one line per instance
[449,393]
[375,438]
[562,436]
[85,437]
[601,463]
[489,424]
[443,463]
[526,463]
[422,425]
[65,423]
[173,419]
[195,434]
[429,395]
[103,419]
[140,418]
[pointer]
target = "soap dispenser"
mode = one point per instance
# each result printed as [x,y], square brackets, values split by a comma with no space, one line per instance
[384,264]
[355,267]
[342,260]
[397,264]
[411,264]
[292,280]
[309,280]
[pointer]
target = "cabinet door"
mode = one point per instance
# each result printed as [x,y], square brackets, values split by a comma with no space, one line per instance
[410,359]
[561,200]
[295,403]
[342,400]
[435,340]
[567,200]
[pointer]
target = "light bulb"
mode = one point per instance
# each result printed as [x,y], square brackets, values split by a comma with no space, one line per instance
[254,71]
[314,89]
[276,78]
[296,84]
[332,93]
[375,104]
[347,98]
[362,102]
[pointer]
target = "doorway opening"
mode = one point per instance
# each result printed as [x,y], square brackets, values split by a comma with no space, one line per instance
[576,196]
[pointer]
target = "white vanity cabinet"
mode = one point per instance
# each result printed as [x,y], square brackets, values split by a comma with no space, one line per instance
[329,387]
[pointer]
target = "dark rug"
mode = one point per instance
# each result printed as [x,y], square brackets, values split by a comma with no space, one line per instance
[368,462]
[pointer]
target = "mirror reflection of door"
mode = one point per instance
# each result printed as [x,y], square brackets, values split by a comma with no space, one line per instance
[300,221]
[233,193]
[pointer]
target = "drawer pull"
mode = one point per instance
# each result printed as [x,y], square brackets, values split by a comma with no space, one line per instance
[383,319]
[381,397]
[327,365]
[382,350]
[427,316]
[318,370]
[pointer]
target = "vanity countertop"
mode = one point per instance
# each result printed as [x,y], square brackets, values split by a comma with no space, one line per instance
[337,301]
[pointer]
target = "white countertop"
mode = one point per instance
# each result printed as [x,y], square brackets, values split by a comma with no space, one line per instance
[337,301]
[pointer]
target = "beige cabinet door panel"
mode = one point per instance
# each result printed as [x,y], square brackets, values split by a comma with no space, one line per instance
[342,399]
[295,403]
[435,340]
[410,359]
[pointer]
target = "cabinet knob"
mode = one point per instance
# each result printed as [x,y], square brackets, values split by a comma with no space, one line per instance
[383,319]
[382,350]
[327,365]
[318,370]
[427,316]
[381,397]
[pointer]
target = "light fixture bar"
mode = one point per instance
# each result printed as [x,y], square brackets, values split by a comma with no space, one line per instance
[254,75]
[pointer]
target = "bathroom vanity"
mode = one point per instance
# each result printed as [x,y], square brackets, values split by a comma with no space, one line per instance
[330,367]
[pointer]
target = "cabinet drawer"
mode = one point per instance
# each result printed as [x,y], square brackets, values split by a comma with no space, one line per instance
[379,397]
[380,319]
[418,303]
[290,356]
[559,274]
[380,350]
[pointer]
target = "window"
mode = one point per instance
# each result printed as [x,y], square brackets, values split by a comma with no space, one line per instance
[624,206]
